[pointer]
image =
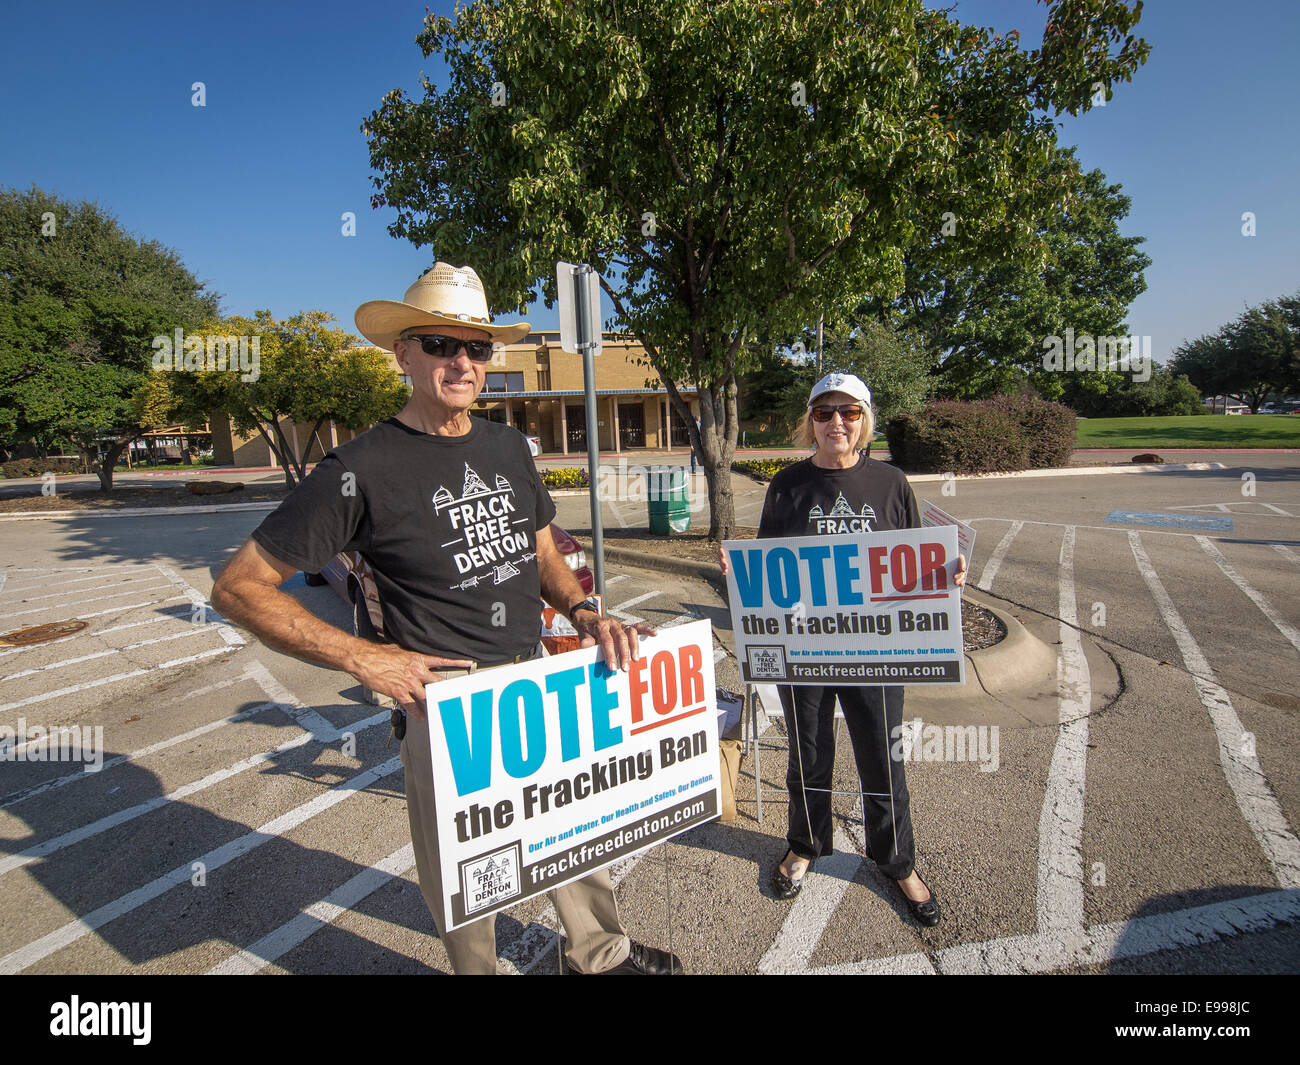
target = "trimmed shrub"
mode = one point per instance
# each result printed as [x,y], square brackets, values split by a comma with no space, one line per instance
[36,467]
[964,438]
[1049,428]
[997,435]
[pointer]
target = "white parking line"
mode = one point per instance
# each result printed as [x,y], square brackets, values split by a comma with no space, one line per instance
[72,689]
[78,835]
[1059,901]
[1278,510]
[994,563]
[162,616]
[123,608]
[197,629]
[620,609]
[825,887]
[94,599]
[305,716]
[279,942]
[200,602]
[1279,622]
[1287,553]
[15,797]
[95,572]
[83,591]
[30,954]
[680,619]
[1249,786]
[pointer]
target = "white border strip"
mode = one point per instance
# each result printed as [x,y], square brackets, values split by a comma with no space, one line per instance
[1059,901]
[1279,622]
[27,956]
[1241,767]
[275,944]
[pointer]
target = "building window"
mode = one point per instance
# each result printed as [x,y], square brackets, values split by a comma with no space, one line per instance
[504,382]
[543,380]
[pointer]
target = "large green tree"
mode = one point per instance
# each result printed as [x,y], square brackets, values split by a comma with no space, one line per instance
[308,370]
[1251,358]
[80,303]
[732,168]
[989,321]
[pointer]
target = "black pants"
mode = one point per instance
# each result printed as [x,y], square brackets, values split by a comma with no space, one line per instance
[874,716]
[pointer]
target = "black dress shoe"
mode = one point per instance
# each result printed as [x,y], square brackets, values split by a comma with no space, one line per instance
[644,961]
[927,912]
[787,887]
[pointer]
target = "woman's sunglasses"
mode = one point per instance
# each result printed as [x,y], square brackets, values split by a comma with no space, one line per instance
[448,347]
[848,411]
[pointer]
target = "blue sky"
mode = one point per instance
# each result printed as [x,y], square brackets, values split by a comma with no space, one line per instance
[249,190]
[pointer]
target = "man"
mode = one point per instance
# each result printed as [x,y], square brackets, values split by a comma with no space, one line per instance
[454,521]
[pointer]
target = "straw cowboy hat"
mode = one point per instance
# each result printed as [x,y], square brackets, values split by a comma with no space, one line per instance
[445,295]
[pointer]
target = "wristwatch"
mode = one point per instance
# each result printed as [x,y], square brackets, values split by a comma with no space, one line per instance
[586,604]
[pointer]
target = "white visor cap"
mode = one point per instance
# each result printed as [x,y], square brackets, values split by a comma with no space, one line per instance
[847,383]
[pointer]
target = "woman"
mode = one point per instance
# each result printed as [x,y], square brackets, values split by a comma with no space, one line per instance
[868,496]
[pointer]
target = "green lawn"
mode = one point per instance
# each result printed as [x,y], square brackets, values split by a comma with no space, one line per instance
[1198,430]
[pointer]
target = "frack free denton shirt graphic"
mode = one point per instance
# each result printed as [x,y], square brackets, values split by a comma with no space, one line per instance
[486,546]
[842,518]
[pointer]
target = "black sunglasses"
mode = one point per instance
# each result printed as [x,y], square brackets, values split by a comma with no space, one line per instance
[848,411]
[449,347]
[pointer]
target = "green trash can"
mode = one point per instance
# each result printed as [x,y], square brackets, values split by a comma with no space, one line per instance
[669,502]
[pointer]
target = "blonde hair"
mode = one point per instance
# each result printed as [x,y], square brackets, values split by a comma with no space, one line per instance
[805,435]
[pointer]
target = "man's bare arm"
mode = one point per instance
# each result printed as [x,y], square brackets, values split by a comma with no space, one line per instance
[561,589]
[248,593]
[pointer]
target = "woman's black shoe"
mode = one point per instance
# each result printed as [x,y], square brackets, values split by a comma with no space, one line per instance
[786,887]
[927,912]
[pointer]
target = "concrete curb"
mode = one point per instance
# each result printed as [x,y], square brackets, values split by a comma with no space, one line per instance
[1019,662]
[687,567]
[140,512]
[1076,471]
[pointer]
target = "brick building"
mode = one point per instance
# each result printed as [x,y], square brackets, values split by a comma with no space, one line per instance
[538,389]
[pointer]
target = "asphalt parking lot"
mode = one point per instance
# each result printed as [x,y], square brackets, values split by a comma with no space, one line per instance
[249,817]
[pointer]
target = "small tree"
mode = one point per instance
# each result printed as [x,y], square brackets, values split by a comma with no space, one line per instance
[307,372]
[989,321]
[893,362]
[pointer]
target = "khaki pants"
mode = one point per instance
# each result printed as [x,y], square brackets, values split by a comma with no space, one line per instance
[587,907]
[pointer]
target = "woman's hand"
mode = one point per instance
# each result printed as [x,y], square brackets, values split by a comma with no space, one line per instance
[722,561]
[959,578]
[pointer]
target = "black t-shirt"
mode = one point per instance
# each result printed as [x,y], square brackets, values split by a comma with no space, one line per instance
[807,500]
[448,524]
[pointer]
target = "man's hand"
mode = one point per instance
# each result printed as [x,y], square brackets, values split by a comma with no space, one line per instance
[619,642]
[388,669]
[959,578]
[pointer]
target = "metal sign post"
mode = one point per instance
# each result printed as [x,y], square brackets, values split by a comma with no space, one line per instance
[580,334]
